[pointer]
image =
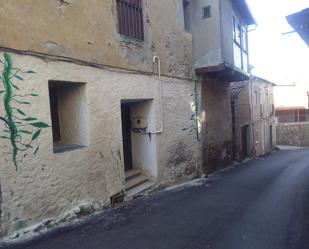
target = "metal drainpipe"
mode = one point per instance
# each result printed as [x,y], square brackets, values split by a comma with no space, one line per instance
[154,59]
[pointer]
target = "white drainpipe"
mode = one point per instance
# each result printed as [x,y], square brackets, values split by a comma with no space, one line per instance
[154,59]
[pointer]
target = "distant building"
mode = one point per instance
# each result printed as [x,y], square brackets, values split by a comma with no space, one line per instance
[253,117]
[296,114]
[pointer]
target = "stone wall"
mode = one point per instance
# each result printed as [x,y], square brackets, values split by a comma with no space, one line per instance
[46,184]
[293,134]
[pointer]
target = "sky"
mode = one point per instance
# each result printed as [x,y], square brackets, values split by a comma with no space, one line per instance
[282,59]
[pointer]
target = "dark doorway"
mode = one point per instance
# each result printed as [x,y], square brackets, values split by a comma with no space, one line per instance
[126,136]
[244,141]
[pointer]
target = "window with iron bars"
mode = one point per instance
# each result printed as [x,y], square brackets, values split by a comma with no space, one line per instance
[130,18]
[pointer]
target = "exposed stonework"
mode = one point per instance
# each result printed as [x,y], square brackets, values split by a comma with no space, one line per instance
[181,162]
[293,134]
[219,156]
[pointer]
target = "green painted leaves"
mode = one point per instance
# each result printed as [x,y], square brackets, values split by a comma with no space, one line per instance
[40,125]
[36,135]
[29,119]
[18,77]
[22,131]
[20,112]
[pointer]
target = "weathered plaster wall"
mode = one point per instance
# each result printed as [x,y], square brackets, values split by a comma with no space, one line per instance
[205,29]
[47,184]
[87,30]
[180,156]
[217,125]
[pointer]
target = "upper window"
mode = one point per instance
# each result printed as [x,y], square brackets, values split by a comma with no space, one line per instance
[68,115]
[206,12]
[130,18]
[240,45]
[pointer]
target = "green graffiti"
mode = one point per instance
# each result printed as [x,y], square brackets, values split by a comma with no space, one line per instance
[20,129]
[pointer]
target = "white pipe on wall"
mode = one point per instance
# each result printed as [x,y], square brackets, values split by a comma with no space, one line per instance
[154,59]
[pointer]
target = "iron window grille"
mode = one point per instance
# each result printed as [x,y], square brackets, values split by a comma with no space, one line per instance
[130,18]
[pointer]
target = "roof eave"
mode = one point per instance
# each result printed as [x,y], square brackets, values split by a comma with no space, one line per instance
[244,9]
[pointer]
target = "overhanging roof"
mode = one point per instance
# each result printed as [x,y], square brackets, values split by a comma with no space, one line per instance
[300,23]
[243,8]
[223,72]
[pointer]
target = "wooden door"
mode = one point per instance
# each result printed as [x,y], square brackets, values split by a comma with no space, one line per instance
[126,136]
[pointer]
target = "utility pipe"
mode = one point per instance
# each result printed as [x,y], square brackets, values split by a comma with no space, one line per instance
[154,59]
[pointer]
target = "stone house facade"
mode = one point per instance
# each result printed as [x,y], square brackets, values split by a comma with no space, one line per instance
[99,99]
[254,127]
[110,108]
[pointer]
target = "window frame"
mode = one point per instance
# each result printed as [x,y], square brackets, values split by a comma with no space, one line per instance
[208,8]
[240,44]
[130,19]
[60,94]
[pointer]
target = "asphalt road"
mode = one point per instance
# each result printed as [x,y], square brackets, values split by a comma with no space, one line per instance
[261,204]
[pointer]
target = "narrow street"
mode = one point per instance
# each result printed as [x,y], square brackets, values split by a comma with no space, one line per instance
[262,204]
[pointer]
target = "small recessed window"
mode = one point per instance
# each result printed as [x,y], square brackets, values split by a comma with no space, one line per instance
[206,12]
[68,115]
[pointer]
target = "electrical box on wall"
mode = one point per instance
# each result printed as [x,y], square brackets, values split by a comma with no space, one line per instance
[139,123]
